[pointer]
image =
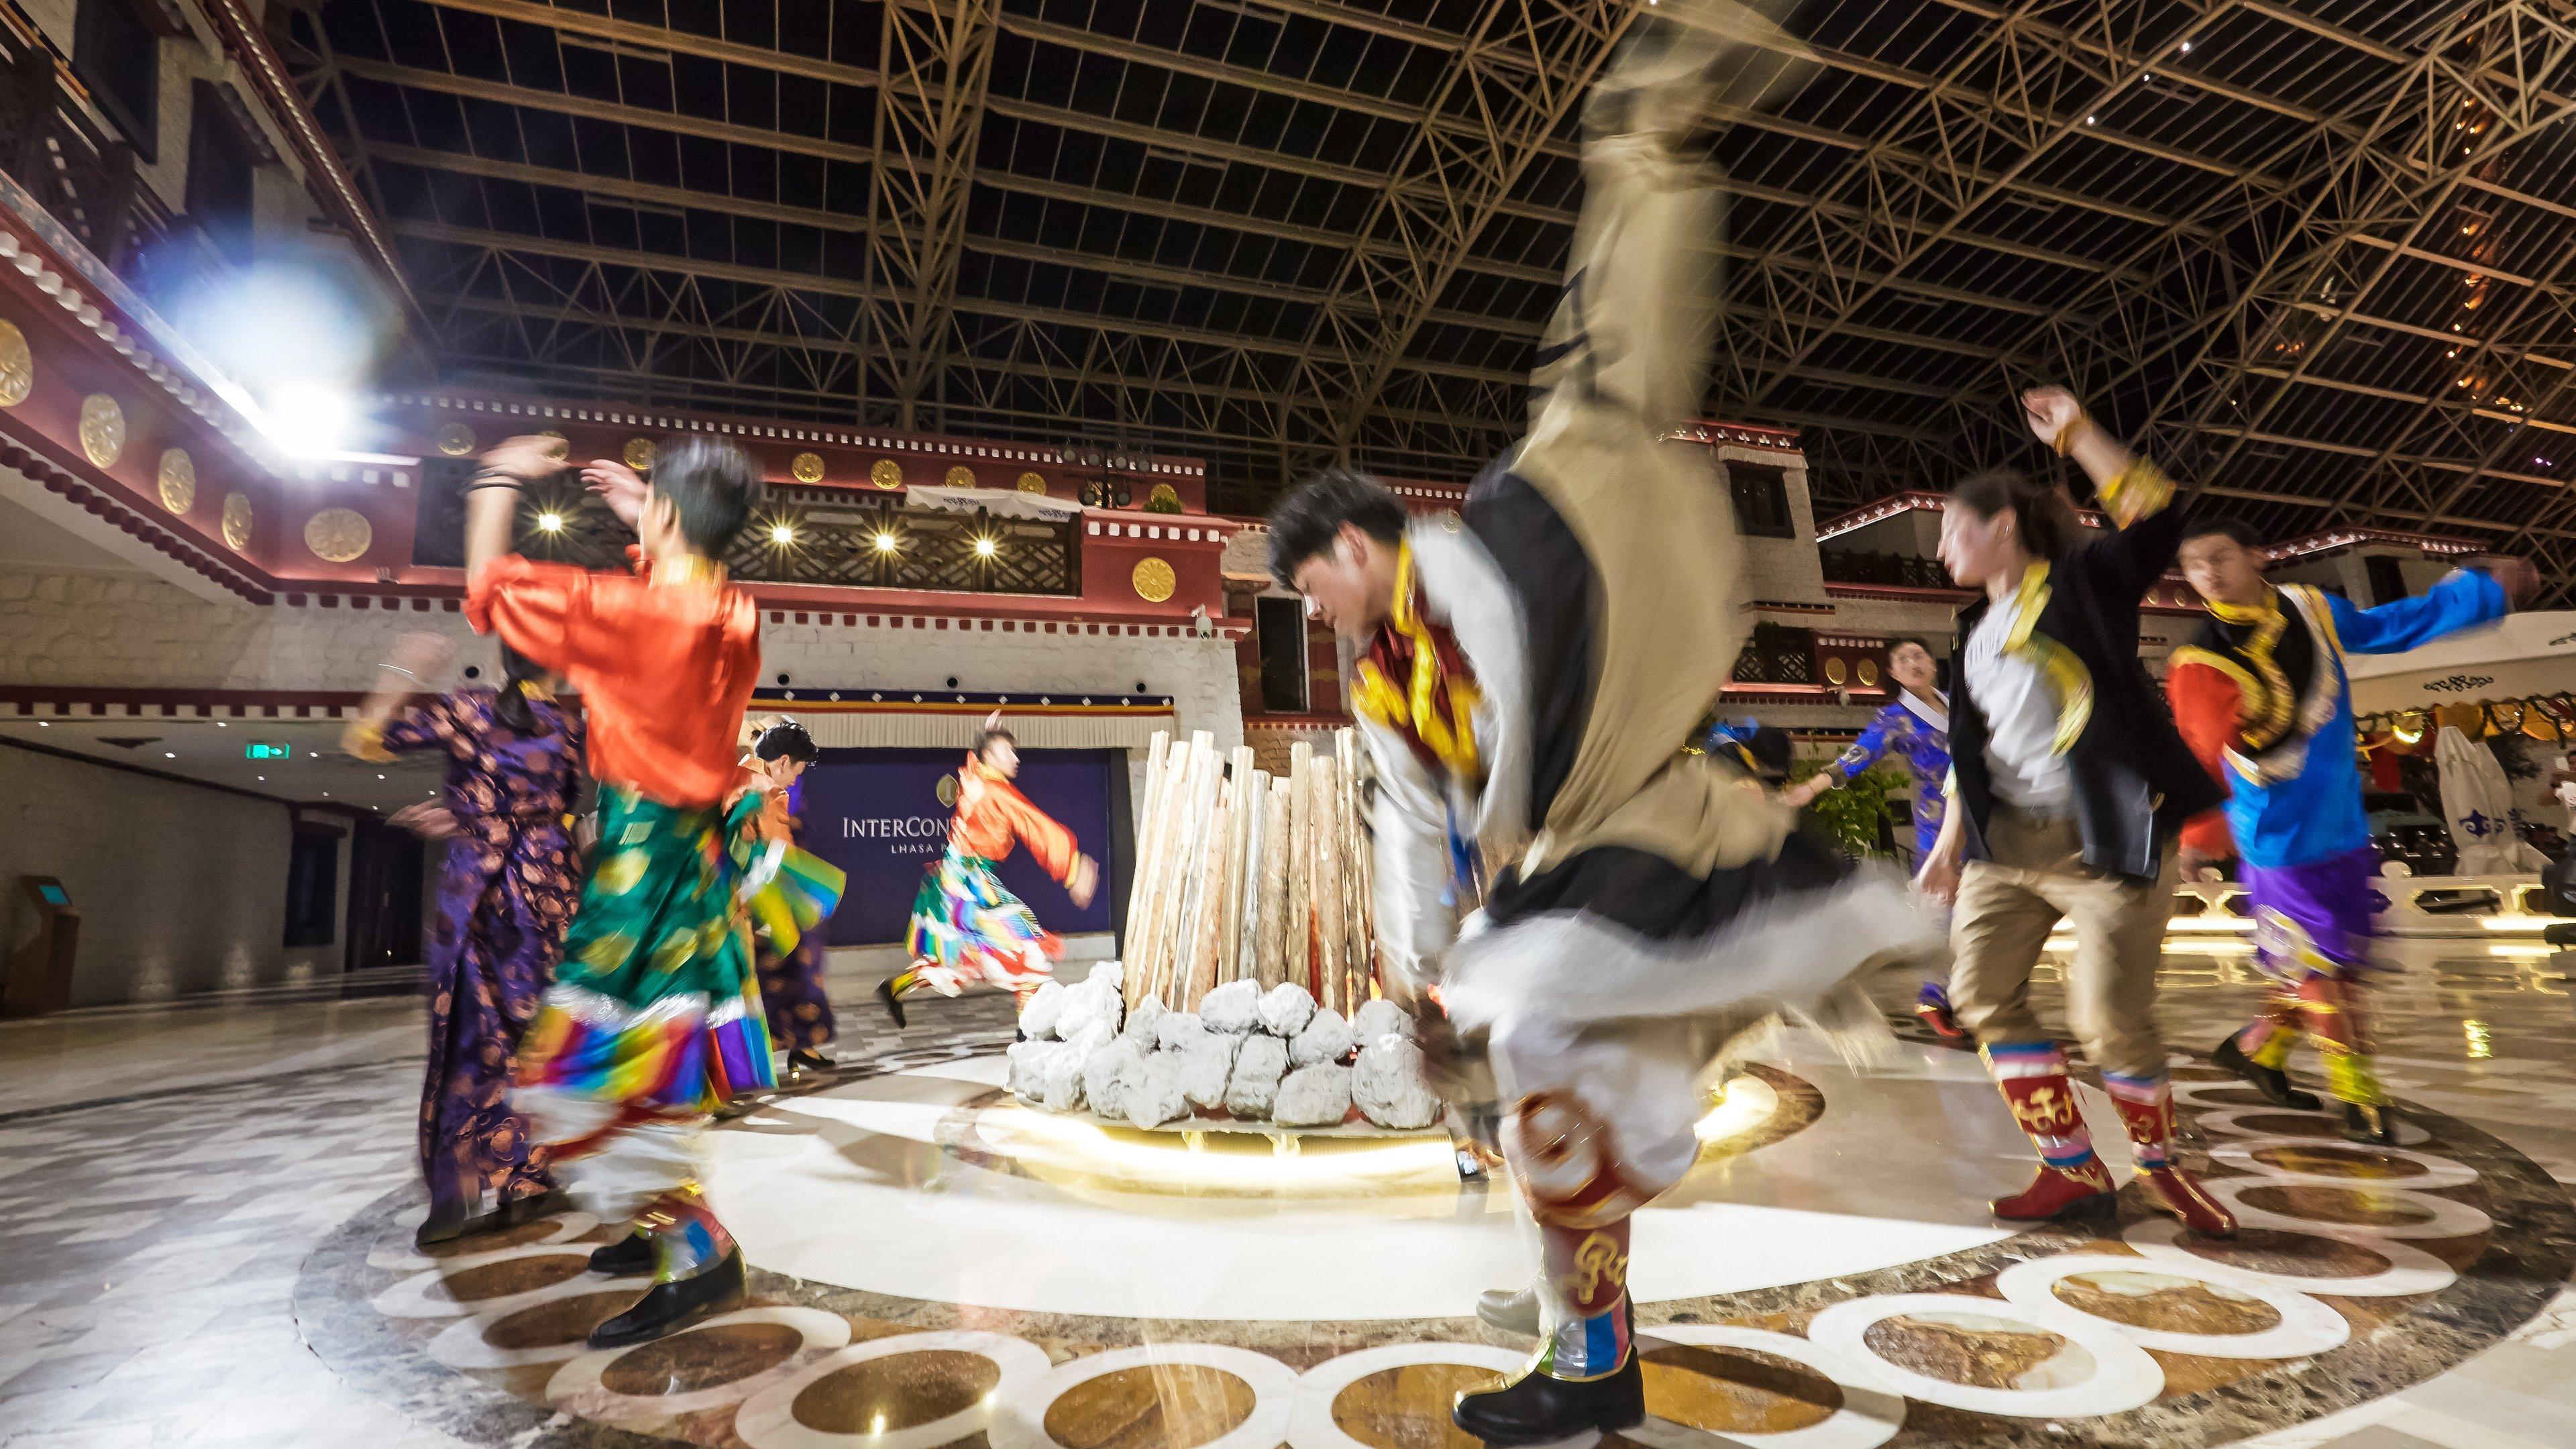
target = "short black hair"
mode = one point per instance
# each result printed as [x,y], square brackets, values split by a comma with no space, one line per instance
[2235,528]
[993,736]
[786,740]
[1305,522]
[713,485]
[1901,640]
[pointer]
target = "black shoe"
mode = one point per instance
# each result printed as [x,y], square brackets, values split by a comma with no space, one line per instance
[668,1307]
[445,1224]
[1536,1409]
[2371,1126]
[2272,1082]
[801,1060]
[624,1258]
[893,1003]
[519,1210]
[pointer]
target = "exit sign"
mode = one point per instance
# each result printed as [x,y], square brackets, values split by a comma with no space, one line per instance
[258,750]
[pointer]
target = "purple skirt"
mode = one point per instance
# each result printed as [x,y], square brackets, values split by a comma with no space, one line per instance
[2313,917]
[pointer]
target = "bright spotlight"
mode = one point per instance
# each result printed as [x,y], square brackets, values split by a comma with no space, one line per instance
[549,523]
[885,543]
[985,548]
[782,534]
[309,419]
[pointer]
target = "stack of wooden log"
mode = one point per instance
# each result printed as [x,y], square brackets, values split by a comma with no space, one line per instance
[1246,876]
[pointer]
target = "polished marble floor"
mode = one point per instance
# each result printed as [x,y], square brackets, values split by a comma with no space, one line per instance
[204,1239]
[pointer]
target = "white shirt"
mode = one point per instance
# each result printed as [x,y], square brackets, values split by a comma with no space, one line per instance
[2021,719]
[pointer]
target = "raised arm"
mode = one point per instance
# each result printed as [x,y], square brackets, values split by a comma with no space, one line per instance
[417,658]
[1847,766]
[2464,599]
[2146,527]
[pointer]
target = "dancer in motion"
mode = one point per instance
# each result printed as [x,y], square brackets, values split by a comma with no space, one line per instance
[2261,695]
[1915,729]
[654,1018]
[2069,786]
[966,924]
[1521,692]
[505,894]
[791,981]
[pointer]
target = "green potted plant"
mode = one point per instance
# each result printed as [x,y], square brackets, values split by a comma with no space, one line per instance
[1856,817]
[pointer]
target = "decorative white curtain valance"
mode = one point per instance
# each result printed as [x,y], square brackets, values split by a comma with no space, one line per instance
[954,727]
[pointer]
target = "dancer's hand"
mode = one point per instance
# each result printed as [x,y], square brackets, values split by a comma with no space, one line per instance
[2200,868]
[1797,796]
[1939,878]
[1086,880]
[427,820]
[528,457]
[2050,412]
[618,486]
[2519,578]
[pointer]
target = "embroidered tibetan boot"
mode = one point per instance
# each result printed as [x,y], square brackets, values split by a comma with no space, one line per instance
[2071,1180]
[890,996]
[2146,1110]
[1586,1374]
[2257,1053]
[697,1272]
[1932,1006]
[2331,1008]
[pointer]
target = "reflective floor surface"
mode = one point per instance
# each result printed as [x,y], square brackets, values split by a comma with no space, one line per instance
[205,1223]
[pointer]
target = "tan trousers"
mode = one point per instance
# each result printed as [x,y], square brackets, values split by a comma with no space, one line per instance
[2006,908]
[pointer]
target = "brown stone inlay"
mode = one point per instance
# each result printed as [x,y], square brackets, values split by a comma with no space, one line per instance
[1736,1390]
[1408,1407]
[1164,1406]
[701,1359]
[2359,1206]
[516,1236]
[1979,1351]
[557,1321]
[2160,1301]
[2291,1124]
[897,1392]
[512,1275]
[2294,1255]
[2337,1160]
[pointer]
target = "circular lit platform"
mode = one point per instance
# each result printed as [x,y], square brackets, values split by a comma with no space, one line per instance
[937,1262]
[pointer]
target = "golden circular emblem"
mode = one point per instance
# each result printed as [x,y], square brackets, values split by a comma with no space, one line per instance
[102,429]
[17,366]
[1836,672]
[338,535]
[807,468]
[961,476]
[639,454]
[1154,580]
[558,447]
[236,522]
[456,440]
[178,480]
[1868,672]
[886,473]
[1164,496]
[1032,483]
[947,790]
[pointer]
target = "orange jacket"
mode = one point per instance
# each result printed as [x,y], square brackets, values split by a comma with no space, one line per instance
[992,813]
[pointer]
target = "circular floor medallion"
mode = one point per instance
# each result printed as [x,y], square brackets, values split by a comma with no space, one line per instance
[2403,1270]
[727,1359]
[2180,1294]
[1021,1420]
[1866,1417]
[2301,1162]
[2122,1376]
[1328,1409]
[2380,1212]
[2270,1121]
[554,1328]
[770,1419]
[506,1281]
[483,1247]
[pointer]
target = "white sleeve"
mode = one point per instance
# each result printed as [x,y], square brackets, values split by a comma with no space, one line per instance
[1409,823]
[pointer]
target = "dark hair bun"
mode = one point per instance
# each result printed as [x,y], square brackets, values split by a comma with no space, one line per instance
[786,740]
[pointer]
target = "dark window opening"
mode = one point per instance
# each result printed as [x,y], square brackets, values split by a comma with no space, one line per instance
[1761,500]
[1283,654]
[312,888]
[116,54]
[222,176]
[2387,579]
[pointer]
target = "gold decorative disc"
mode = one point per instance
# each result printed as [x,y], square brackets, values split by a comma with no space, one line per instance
[236,522]
[102,429]
[17,366]
[1868,672]
[639,454]
[338,535]
[1032,483]
[456,440]
[1836,672]
[178,480]
[886,473]
[1164,496]
[947,791]
[961,476]
[1154,580]
[806,468]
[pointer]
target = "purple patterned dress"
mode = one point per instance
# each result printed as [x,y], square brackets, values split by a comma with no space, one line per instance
[508,889]
[792,986]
